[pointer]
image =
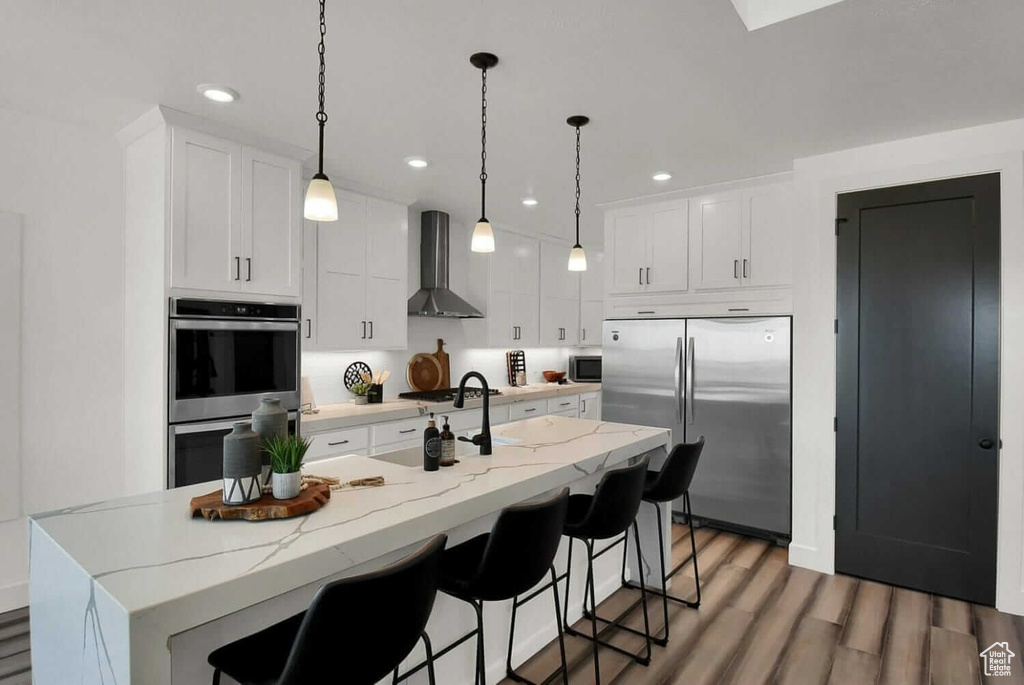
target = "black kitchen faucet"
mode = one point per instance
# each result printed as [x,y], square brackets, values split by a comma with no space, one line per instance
[483,439]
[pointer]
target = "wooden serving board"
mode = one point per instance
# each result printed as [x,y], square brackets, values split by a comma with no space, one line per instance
[211,506]
[446,364]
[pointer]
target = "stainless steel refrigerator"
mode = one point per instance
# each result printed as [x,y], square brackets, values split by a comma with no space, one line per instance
[725,379]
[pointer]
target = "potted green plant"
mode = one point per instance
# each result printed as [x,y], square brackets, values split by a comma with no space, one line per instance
[360,390]
[286,455]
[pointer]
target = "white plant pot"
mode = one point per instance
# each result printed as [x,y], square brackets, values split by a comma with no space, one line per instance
[361,399]
[286,485]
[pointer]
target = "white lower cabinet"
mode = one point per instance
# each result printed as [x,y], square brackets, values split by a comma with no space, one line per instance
[590,406]
[335,443]
[527,409]
[558,405]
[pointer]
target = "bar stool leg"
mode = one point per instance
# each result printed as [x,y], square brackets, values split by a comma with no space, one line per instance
[558,622]
[643,589]
[593,609]
[216,676]
[568,580]
[693,548]
[430,657]
[481,674]
[664,578]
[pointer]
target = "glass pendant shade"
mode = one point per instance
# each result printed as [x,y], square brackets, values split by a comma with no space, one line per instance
[321,205]
[577,259]
[483,237]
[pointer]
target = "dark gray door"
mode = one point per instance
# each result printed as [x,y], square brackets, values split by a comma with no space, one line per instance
[917,355]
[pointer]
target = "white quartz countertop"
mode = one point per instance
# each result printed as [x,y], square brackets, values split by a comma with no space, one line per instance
[347,414]
[171,572]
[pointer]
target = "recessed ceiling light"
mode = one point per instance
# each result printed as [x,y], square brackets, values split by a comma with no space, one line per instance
[529,202]
[217,93]
[662,176]
[417,162]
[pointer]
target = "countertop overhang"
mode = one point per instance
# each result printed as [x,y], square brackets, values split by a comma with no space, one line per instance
[170,572]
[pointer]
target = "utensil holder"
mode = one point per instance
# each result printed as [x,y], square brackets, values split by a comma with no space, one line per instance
[376,394]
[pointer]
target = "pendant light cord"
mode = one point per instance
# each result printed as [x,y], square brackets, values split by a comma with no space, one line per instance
[577,186]
[483,144]
[321,115]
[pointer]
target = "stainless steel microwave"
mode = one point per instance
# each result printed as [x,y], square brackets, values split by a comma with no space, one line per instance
[585,368]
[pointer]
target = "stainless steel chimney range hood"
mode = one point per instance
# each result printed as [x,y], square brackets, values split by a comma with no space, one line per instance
[434,298]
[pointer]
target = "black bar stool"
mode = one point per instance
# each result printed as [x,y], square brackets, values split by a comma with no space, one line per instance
[608,513]
[321,645]
[506,562]
[664,486]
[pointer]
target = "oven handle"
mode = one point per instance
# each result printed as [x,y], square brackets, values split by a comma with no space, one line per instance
[209,426]
[220,325]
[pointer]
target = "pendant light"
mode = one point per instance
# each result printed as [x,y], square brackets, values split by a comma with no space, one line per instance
[483,236]
[577,257]
[321,205]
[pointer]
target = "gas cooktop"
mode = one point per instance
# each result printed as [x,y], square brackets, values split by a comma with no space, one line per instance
[445,395]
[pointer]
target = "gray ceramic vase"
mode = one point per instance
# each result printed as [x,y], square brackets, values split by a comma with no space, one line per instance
[268,420]
[242,469]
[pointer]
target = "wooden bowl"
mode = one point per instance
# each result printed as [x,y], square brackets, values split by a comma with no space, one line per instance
[553,376]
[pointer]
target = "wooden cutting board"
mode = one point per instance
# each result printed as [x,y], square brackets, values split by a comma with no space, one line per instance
[446,364]
[211,506]
[423,372]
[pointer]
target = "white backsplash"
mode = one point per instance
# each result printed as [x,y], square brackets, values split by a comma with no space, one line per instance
[326,370]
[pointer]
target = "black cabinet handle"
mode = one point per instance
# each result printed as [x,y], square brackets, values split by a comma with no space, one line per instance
[364,330]
[238,268]
[371,330]
[529,410]
[986,444]
[735,268]
[335,444]
[648,275]
[248,268]
[745,272]
[410,430]
[565,404]
[309,328]
[584,334]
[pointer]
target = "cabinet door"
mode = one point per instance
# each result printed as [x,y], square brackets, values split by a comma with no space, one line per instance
[271,224]
[716,225]
[309,278]
[206,212]
[525,276]
[591,318]
[626,236]
[592,280]
[559,302]
[386,313]
[667,249]
[526,315]
[590,406]
[387,254]
[341,277]
[501,331]
[767,231]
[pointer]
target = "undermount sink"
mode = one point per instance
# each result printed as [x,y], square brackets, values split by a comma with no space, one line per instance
[413,456]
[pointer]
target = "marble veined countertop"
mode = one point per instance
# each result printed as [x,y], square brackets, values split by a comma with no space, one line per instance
[347,414]
[146,552]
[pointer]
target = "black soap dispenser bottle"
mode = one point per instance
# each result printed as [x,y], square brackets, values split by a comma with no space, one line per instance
[431,446]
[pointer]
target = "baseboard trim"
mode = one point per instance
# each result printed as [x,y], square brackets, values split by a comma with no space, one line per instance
[811,558]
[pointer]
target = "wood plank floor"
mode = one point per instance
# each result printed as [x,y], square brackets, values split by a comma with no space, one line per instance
[15,658]
[763,621]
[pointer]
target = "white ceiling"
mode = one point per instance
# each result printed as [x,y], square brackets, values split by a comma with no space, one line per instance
[676,85]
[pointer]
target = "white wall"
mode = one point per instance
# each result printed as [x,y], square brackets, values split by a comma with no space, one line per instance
[65,181]
[995,147]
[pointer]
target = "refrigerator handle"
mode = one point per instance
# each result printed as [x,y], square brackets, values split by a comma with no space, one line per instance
[689,381]
[679,380]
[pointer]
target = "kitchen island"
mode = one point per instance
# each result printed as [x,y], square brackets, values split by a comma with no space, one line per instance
[133,590]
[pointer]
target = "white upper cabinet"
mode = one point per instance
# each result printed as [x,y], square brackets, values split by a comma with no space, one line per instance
[235,217]
[271,224]
[717,240]
[722,253]
[513,306]
[626,238]
[355,298]
[206,212]
[309,261]
[767,236]
[592,299]
[559,297]
[648,248]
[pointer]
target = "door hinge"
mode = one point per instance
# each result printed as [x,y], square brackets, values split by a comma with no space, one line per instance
[833,521]
[839,221]
[835,326]
[835,424]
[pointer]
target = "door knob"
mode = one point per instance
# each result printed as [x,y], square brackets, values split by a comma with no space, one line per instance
[986,444]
